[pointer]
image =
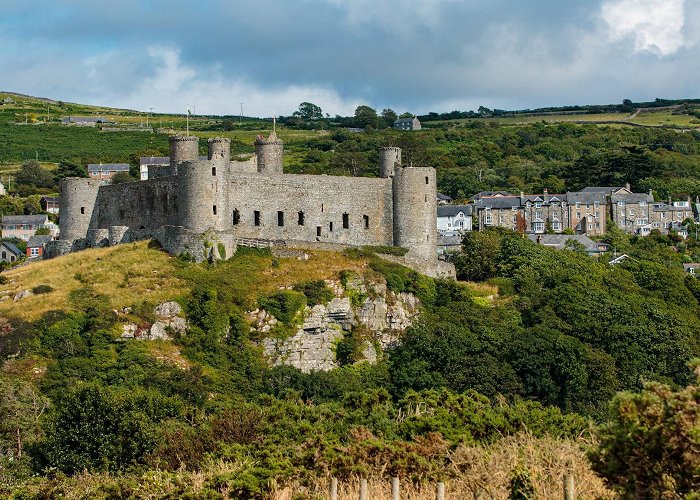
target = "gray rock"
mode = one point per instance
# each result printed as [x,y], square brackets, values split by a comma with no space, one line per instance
[22,295]
[158,331]
[168,309]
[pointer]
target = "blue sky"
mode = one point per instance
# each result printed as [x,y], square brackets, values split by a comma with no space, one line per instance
[409,55]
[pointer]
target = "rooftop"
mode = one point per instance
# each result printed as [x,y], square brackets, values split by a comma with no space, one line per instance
[34,220]
[108,167]
[38,240]
[452,210]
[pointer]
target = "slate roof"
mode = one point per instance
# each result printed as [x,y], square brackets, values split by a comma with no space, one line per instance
[691,265]
[449,240]
[558,241]
[545,199]
[11,247]
[34,220]
[601,189]
[52,199]
[498,202]
[585,197]
[482,194]
[155,160]
[443,197]
[632,197]
[108,167]
[38,240]
[452,210]
[404,120]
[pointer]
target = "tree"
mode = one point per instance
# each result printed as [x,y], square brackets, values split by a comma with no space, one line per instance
[484,111]
[122,178]
[365,117]
[33,174]
[309,111]
[477,262]
[388,116]
[69,168]
[406,115]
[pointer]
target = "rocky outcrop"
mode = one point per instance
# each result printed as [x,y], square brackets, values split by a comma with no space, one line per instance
[379,311]
[168,320]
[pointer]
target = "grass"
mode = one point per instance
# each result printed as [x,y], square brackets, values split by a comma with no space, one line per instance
[134,273]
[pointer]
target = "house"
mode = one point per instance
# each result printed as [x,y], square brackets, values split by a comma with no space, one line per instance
[449,242]
[23,226]
[49,204]
[669,216]
[8,100]
[692,268]
[482,194]
[3,191]
[36,245]
[630,211]
[105,171]
[147,161]
[499,211]
[85,121]
[587,211]
[454,218]
[443,199]
[560,241]
[9,252]
[407,124]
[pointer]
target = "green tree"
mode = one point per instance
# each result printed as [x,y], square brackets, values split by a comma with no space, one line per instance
[33,174]
[68,168]
[365,117]
[122,178]
[309,111]
[477,261]
[388,117]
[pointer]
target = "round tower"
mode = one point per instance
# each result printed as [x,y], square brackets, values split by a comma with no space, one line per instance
[415,211]
[220,149]
[183,148]
[201,196]
[78,212]
[389,159]
[269,154]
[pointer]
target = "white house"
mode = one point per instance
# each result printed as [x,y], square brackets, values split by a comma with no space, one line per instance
[454,218]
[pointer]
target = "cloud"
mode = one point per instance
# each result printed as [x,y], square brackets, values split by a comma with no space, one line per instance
[656,26]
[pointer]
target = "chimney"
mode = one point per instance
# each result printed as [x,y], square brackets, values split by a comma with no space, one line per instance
[627,186]
[546,192]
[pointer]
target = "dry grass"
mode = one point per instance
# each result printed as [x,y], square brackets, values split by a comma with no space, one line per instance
[485,469]
[128,274]
[482,289]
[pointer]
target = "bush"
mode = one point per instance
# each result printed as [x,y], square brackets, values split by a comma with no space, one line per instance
[387,250]
[39,289]
[283,304]
[316,292]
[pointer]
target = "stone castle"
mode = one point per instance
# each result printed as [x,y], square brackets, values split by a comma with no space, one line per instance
[206,207]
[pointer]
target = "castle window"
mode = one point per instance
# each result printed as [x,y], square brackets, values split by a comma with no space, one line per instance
[256,217]
[365,218]
[280,218]
[213,208]
[300,220]
[330,227]
[82,210]
[318,230]
[426,198]
[236,217]
[213,170]
[346,221]
[426,181]
[321,207]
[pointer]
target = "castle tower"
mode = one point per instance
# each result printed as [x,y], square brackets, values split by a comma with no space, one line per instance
[269,154]
[77,200]
[183,148]
[415,211]
[202,195]
[220,149]
[389,159]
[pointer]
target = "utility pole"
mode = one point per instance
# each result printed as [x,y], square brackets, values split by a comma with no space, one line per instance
[148,116]
[240,118]
[48,113]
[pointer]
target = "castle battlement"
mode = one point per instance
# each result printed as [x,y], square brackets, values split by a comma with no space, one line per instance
[233,201]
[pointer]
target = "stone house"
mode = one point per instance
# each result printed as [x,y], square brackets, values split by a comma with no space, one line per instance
[443,199]
[692,268]
[587,212]
[669,216]
[498,211]
[22,226]
[560,241]
[454,218]
[36,245]
[543,211]
[9,252]
[407,124]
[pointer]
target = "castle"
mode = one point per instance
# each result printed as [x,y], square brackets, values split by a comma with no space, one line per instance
[206,207]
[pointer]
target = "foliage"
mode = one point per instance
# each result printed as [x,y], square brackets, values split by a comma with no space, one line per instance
[397,251]
[650,446]
[284,305]
[39,289]
[122,178]
[316,292]
[33,174]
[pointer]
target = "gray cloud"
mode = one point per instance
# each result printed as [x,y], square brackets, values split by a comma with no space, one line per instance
[418,55]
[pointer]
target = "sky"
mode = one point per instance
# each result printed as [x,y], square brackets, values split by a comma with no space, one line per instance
[412,56]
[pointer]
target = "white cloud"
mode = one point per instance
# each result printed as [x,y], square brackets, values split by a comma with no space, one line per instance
[656,26]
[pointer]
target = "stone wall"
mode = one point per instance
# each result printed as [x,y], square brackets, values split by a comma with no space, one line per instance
[140,205]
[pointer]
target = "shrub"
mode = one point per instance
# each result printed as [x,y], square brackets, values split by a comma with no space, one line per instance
[316,291]
[3,280]
[283,304]
[39,289]
[387,250]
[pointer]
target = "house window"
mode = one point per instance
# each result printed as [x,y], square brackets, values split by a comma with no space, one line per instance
[318,230]
[631,211]
[236,217]
[82,210]
[213,170]
[213,209]
[538,205]
[280,218]
[256,217]
[620,203]
[300,219]
[365,218]
[4,255]
[538,227]
[538,214]
[346,221]
[34,252]
[556,226]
